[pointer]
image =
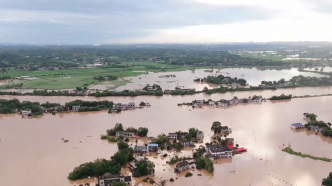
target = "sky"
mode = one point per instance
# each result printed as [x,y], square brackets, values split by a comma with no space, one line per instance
[163,21]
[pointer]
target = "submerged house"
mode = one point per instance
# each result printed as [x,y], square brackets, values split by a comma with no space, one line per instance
[297,126]
[180,167]
[26,112]
[76,107]
[124,134]
[140,149]
[187,143]
[218,151]
[225,129]
[109,179]
[177,135]
[200,135]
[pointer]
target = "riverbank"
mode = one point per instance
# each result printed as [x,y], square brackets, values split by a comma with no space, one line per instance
[289,150]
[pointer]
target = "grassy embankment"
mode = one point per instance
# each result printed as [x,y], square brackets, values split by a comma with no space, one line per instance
[66,79]
[291,151]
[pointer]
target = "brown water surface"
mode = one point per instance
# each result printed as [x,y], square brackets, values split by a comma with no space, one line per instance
[33,152]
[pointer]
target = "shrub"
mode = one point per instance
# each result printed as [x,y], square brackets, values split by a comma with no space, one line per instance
[165,155]
[126,140]
[103,137]
[188,174]
[171,180]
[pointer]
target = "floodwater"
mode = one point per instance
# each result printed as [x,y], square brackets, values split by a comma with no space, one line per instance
[254,77]
[34,149]
[325,69]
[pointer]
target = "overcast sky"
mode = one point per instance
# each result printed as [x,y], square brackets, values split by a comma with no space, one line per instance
[164,21]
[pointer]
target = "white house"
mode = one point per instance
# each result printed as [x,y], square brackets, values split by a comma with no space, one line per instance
[131,105]
[211,103]
[234,85]
[26,112]
[184,166]
[200,135]
[187,143]
[221,104]
[218,151]
[76,107]
[109,179]
[124,134]
[172,136]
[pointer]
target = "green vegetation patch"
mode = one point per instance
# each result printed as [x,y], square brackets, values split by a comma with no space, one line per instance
[291,151]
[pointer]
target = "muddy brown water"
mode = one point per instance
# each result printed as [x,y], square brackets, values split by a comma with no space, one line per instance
[32,151]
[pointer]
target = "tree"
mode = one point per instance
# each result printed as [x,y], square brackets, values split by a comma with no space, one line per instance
[79,89]
[120,158]
[122,145]
[216,127]
[193,132]
[142,131]
[120,183]
[327,181]
[143,168]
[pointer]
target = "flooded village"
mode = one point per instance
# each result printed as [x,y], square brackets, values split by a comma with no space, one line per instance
[244,142]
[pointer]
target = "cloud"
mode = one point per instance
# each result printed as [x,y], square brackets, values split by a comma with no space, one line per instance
[91,21]
[322,6]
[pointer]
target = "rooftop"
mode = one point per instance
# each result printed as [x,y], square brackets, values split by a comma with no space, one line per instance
[127,178]
[297,125]
[109,175]
[182,164]
[139,148]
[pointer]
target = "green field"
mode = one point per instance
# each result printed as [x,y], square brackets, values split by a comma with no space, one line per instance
[66,79]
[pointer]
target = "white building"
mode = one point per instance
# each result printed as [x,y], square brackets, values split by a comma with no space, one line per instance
[76,107]
[26,112]
[211,103]
[200,135]
[218,151]
[124,134]
[131,105]
[172,136]
[109,179]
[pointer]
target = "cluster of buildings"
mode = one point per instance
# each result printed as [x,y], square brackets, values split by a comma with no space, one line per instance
[54,109]
[146,149]
[226,103]
[181,136]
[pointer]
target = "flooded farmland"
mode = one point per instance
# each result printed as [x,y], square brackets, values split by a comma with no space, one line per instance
[33,149]
[254,76]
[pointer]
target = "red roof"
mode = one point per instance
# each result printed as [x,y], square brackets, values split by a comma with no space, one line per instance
[230,146]
[241,150]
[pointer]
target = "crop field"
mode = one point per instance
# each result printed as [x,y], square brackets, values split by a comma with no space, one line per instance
[67,79]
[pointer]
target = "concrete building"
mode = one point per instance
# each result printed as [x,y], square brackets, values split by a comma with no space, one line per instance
[109,179]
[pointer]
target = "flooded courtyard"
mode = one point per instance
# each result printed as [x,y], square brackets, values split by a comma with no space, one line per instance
[33,149]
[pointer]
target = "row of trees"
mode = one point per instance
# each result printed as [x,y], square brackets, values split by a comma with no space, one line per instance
[220,79]
[281,97]
[90,105]
[14,105]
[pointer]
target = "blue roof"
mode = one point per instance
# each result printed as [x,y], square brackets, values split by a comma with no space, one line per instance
[298,125]
[152,145]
